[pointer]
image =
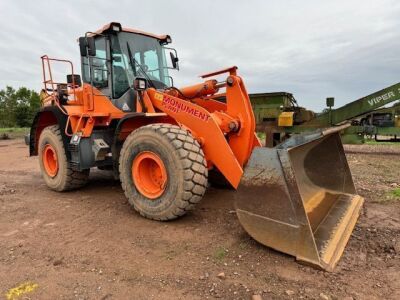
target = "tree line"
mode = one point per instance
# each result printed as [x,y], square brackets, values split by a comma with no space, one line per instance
[18,107]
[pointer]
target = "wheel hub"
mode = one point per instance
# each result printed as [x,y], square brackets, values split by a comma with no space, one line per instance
[50,160]
[149,174]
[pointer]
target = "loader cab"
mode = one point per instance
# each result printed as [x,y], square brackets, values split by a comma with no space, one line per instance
[114,57]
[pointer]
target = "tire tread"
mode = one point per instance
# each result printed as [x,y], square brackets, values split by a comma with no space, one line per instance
[74,179]
[194,168]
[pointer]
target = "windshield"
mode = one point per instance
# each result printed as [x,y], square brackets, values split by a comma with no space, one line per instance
[147,57]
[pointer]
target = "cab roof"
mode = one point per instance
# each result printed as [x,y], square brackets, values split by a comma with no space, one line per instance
[109,27]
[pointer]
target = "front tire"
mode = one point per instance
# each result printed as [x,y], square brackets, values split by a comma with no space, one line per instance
[163,171]
[54,165]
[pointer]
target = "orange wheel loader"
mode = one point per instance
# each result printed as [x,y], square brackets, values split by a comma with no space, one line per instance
[125,114]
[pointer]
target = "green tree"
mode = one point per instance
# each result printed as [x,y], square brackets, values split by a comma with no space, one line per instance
[7,105]
[18,107]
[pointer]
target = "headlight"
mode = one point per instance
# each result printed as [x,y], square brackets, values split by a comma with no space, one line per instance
[140,84]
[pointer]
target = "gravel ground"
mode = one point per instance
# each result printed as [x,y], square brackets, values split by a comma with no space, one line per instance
[371,149]
[89,244]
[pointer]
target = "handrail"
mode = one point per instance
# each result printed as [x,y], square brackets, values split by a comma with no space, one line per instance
[50,85]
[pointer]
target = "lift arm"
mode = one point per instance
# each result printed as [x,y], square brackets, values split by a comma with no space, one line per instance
[227,135]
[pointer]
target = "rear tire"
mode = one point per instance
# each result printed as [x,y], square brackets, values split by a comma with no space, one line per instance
[59,176]
[180,162]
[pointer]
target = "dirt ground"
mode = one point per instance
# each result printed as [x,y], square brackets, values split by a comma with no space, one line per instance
[89,244]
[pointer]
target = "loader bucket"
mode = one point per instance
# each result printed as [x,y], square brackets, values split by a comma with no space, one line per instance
[299,198]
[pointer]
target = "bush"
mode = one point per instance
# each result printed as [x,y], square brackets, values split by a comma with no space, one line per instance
[18,107]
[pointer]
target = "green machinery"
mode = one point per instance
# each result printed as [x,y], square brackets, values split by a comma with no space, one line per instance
[383,122]
[278,115]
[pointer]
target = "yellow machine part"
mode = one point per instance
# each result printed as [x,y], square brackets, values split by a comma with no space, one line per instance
[397,121]
[286,119]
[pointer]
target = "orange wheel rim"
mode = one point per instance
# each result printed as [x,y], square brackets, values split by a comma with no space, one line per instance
[50,160]
[149,174]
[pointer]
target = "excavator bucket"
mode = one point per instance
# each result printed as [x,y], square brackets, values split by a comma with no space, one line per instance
[299,198]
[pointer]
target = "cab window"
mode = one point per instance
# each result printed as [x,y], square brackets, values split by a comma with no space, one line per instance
[99,63]
[99,66]
[120,69]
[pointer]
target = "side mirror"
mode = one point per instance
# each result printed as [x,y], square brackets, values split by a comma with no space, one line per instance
[140,84]
[87,46]
[91,46]
[174,60]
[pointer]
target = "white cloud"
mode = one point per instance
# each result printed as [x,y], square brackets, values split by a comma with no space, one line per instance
[313,49]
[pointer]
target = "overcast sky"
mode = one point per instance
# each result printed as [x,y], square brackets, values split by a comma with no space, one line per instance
[313,49]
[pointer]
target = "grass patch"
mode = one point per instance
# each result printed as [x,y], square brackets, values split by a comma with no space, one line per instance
[261,135]
[220,253]
[396,193]
[14,129]
[14,132]
[390,196]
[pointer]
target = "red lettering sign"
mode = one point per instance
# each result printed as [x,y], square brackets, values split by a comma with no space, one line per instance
[178,106]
